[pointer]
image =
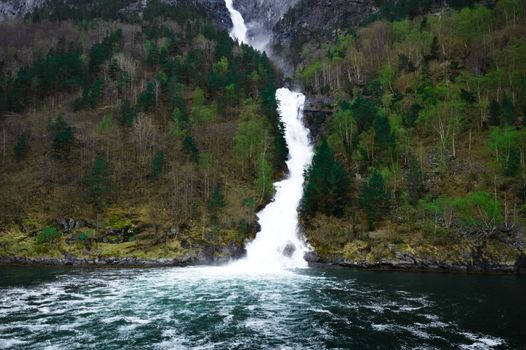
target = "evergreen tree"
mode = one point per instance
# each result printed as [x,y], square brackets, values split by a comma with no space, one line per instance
[147,98]
[63,136]
[98,182]
[374,200]
[364,112]
[494,113]
[92,95]
[513,164]
[190,148]
[508,111]
[384,138]
[339,186]
[128,114]
[327,185]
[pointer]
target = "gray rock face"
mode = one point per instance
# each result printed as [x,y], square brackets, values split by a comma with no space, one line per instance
[260,17]
[289,250]
[318,21]
[18,8]
[215,9]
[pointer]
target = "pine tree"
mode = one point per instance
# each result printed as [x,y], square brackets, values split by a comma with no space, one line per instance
[364,111]
[384,138]
[374,200]
[147,98]
[494,113]
[128,114]
[190,148]
[508,111]
[513,165]
[63,136]
[339,188]
[327,185]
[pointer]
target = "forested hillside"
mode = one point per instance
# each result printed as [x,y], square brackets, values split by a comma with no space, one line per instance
[424,157]
[153,135]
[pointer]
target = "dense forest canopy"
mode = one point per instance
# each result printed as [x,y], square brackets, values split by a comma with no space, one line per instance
[429,125]
[140,125]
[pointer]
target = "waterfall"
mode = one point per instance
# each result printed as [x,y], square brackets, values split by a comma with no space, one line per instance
[278,245]
[239,29]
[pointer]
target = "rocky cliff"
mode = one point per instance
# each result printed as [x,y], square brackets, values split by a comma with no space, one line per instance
[16,8]
[215,9]
[261,16]
[314,21]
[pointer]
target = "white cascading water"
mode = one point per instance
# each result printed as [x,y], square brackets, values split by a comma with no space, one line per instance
[278,245]
[239,29]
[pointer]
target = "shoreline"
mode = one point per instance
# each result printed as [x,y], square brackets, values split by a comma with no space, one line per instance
[111,262]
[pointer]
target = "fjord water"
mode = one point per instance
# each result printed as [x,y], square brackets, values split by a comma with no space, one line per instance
[212,308]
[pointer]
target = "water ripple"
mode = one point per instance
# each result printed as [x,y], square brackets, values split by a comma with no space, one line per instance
[210,308]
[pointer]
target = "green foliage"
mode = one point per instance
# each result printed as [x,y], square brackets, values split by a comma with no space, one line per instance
[327,185]
[147,98]
[384,138]
[98,182]
[21,146]
[85,238]
[101,52]
[508,143]
[478,211]
[118,221]
[264,178]
[59,71]
[190,148]
[495,113]
[343,128]
[48,235]
[508,111]
[374,200]
[128,114]
[105,124]
[364,112]
[92,95]
[63,136]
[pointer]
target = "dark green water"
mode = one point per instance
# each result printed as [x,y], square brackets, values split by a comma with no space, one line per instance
[217,308]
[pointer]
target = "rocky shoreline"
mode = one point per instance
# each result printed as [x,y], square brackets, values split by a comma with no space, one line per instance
[97,262]
[481,268]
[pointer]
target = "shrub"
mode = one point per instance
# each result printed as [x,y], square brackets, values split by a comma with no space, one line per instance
[48,235]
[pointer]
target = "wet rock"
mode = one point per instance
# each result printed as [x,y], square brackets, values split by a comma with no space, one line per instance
[311,257]
[288,250]
[521,264]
